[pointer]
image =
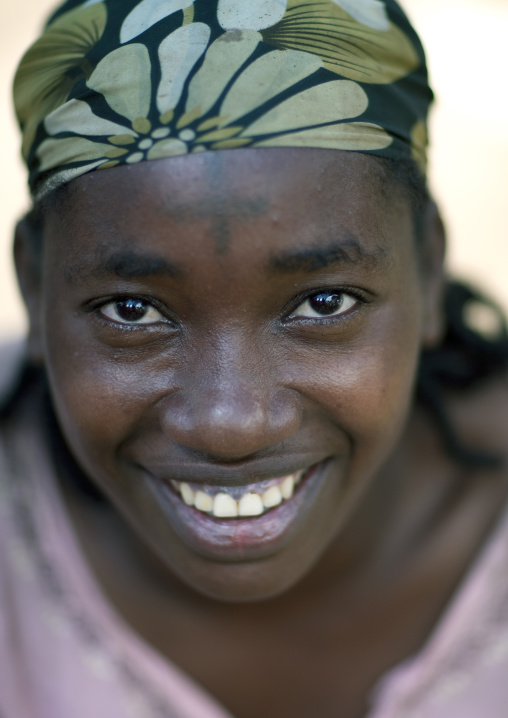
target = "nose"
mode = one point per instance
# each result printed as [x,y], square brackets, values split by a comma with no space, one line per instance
[230,408]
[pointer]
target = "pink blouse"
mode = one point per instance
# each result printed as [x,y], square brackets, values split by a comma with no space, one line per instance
[65,652]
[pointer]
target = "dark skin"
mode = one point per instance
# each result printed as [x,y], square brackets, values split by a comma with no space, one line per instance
[227,379]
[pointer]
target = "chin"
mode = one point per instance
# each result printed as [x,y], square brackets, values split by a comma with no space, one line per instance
[242,583]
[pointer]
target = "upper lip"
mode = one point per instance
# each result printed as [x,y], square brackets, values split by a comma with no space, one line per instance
[233,474]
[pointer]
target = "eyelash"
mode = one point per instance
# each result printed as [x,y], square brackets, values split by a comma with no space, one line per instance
[359,297]
[97,307]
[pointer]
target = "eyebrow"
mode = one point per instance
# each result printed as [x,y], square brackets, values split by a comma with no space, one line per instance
[127,264]
[348,251]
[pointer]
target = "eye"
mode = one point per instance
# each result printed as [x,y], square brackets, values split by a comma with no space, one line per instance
[131,311]
[325,304]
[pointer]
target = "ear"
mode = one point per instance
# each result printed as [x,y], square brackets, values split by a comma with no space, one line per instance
[28,261]
[434,277]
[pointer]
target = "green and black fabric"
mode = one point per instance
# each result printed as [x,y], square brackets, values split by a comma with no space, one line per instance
[123,81]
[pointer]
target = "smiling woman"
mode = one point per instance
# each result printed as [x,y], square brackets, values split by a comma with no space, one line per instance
[266,471]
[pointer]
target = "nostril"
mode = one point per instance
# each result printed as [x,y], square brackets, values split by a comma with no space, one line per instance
[230,426]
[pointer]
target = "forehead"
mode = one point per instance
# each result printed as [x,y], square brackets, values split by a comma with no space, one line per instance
[285,197]
[226,174]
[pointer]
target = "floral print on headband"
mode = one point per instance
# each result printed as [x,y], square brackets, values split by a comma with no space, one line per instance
[119,82]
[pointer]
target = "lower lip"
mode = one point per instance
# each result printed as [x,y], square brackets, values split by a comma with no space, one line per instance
[241,539]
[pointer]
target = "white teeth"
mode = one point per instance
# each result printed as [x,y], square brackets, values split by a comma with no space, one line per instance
[250,505]
[203,502]
[224,506]
[187,494]
[272,497]
[287,487]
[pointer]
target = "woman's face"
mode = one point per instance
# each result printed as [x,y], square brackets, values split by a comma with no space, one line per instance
[220,326]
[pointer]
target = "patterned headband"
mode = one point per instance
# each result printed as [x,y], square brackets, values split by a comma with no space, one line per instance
[115,82]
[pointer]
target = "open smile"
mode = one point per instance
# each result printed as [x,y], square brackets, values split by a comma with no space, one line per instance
[247,522]
[240,501]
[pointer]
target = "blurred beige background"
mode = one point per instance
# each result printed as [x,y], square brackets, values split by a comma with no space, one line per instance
[466,46]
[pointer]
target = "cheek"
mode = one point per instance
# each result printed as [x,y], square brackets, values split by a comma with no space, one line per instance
[98,399]
[373,392]
[99,393]
[379,393]
[367,388]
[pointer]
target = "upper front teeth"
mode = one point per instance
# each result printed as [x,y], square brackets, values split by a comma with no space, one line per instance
[250,505]
[222,505]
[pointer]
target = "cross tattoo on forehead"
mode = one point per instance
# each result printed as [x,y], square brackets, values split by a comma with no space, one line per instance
[220,210]
[219,207]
